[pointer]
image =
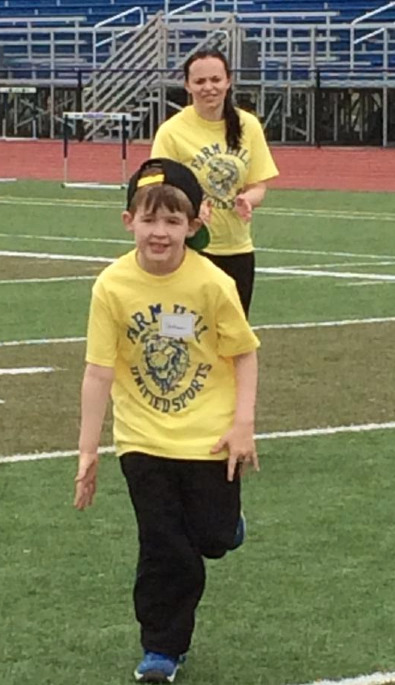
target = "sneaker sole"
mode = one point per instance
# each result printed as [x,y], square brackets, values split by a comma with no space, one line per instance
[155,676]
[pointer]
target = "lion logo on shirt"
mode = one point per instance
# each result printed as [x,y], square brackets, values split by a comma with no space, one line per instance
[222,176]
[167,361]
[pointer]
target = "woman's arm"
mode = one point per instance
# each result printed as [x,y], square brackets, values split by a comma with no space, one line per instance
[249,198]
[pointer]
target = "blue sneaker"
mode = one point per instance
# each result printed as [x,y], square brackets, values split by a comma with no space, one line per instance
[241,531]
[158,668]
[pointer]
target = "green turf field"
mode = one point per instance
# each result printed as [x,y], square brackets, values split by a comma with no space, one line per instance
[310,596]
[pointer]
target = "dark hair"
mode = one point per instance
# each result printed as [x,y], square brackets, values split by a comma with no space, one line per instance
[232,119]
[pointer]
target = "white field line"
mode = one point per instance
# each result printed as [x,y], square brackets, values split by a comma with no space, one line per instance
[328,430]
[26,370]
[2,402]
[257,249]
[337,264]
[269,326]
[58,202]
[362,283]
[311,432]
[54,279]
[325,274]
[49,255]
[325,214]
[373,679]
[69,239]
[278,250]
[41,341]
[271,211]
[267,270]
[323,324]
[36,456]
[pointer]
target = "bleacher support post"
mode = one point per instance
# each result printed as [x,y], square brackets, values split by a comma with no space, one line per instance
[318,109]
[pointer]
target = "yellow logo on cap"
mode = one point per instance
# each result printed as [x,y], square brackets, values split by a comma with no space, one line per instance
[146,180]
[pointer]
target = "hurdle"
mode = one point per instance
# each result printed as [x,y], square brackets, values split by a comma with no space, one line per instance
[122,117]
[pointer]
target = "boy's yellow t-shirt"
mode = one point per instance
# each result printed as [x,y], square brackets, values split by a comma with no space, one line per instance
[223,173]
[171,340]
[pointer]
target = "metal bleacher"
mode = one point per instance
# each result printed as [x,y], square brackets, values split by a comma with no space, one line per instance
[302,65]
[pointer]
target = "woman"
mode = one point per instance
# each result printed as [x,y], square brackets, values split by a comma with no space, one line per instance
[227,150]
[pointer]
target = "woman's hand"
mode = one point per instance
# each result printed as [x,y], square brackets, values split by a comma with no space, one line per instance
[205,211]
[243,207]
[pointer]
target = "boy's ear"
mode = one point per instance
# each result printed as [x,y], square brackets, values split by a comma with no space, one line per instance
[194,226]
[127,219]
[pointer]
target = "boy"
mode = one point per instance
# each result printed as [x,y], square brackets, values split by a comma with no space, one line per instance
[168,337]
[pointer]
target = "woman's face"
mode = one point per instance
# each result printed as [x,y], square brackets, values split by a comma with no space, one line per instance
[208,84]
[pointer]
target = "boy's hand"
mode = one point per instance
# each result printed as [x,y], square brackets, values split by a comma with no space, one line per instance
[85,480]
[240,442]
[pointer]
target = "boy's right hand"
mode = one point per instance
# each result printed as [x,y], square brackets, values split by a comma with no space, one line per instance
[85,480]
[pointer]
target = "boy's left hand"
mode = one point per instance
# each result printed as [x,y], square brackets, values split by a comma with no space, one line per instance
[240,442]
[85,480]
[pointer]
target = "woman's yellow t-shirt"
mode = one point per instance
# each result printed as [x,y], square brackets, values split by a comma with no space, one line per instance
[222,172]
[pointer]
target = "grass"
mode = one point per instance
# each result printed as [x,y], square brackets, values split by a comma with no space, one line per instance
[310,596]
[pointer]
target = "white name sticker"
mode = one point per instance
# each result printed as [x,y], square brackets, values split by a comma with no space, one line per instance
[177,325]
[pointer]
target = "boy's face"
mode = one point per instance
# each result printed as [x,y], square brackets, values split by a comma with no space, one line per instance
[160,237]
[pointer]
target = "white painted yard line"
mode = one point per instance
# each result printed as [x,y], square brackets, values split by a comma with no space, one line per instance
[37,456]
[325,214]
[328,430]
[26,370]
[326,274]
[323,324]
[280,250]
[362,283]
[2,402]
[338,264]
[64,257]
[268,326]
[40,341]
[271,211]
[290,277]
[69,239]
[54,279]
[378,678]
[56,202]
[311,432]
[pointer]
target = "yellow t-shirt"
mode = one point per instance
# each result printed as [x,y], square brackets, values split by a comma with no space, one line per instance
[171,340]
[222,172]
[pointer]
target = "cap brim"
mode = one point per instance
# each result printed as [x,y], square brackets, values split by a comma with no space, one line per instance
[200,240]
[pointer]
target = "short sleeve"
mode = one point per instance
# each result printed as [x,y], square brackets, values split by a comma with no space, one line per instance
[164,144]
[235,335]
[102,336]
[262,166]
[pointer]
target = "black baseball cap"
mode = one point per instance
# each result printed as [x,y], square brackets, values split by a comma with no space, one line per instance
[179,176]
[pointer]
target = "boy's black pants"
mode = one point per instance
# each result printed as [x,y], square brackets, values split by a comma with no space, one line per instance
[185,510]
